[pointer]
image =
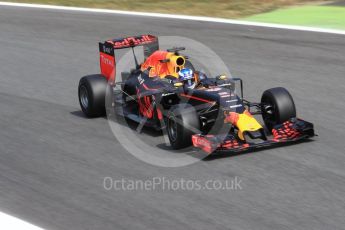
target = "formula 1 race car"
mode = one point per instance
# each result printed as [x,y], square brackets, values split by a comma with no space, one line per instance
[200,110]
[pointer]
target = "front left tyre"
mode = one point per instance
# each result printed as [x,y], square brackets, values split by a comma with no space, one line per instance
[91,92]
[182,123]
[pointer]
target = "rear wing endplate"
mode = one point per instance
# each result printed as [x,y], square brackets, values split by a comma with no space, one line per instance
[107,51]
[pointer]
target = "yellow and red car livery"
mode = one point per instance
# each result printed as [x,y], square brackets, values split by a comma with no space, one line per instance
[211,115]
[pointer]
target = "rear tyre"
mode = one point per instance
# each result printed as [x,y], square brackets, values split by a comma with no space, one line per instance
[182,123]
[92,91]
[277,106]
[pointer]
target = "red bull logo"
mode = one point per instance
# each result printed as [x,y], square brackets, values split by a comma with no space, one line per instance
[134,41]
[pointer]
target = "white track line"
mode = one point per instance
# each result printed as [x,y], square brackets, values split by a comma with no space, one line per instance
[175,16]
[8,222]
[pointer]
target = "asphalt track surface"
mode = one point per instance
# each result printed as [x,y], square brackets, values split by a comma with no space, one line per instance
[338,3]
[53,160]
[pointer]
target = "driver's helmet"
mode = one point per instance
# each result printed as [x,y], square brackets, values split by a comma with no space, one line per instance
[187,77]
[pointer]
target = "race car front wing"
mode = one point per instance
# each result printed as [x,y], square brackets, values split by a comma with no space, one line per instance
[290,131]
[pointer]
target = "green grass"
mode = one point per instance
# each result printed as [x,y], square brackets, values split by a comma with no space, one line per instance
[212,8]
[290,12]
[315,16]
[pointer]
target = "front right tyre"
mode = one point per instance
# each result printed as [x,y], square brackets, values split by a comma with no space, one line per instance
[277,107]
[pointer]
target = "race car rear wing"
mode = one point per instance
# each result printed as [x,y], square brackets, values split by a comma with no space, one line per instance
[107,51]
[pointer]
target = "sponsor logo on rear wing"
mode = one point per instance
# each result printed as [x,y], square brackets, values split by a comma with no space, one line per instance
[106,48]
[107,51]
[128,42]
[107,60]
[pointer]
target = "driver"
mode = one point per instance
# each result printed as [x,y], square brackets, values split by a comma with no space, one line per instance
[186,76]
